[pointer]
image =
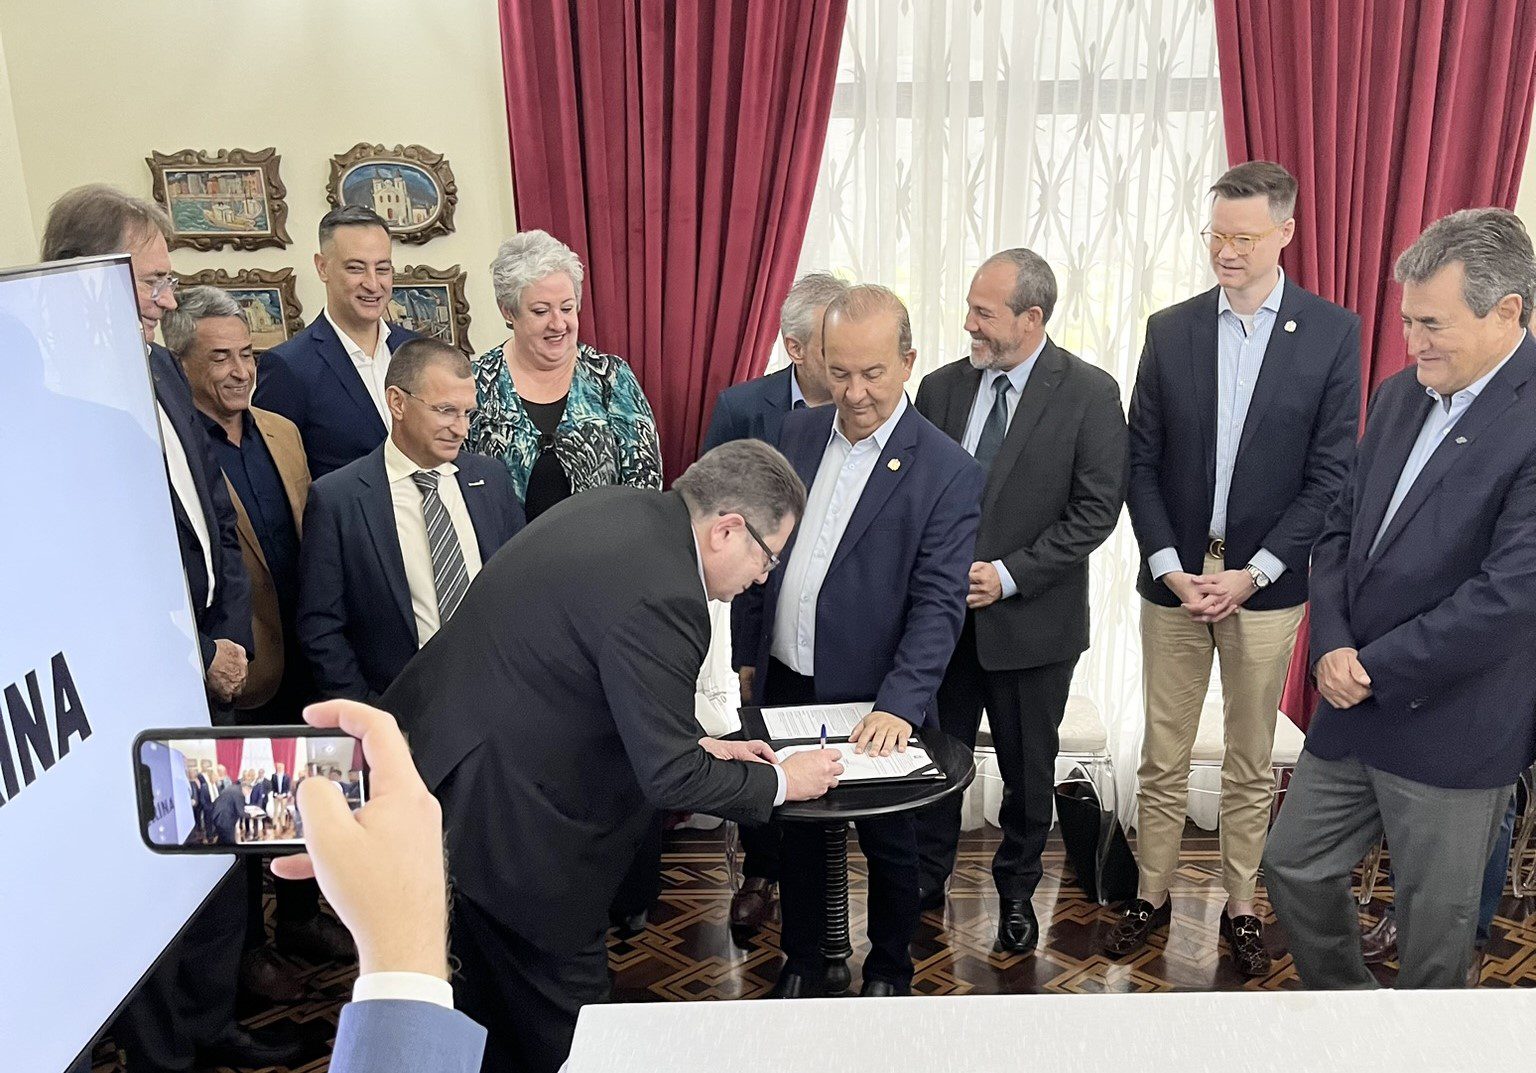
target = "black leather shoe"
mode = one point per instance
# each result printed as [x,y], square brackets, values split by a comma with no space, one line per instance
[1017,928]
[319,939]
[248,1050]
[1130,934]
[265,976]
[931,899]
[1378,943]
[1245,940]
[630,926]
[793,985]
[752,905]
[883,989]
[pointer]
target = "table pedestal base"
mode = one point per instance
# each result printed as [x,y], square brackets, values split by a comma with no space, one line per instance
[835,945]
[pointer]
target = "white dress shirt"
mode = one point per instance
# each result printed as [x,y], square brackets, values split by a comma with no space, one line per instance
[981,406]
[411,528]
[408,986]
[186,491]
[778,772]
[371,368]
[835,491]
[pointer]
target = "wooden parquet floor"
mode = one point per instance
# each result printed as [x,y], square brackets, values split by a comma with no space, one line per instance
[688,954]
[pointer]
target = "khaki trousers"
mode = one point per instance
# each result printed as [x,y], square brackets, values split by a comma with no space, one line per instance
[1255,649]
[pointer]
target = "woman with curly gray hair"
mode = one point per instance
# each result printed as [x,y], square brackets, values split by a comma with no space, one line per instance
[562,415]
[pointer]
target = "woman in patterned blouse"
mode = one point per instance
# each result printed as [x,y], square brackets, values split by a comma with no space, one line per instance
[563,416]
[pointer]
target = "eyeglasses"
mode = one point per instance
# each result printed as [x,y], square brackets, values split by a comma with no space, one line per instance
[773,560]
[1242,245]
[450,414]
[161,285]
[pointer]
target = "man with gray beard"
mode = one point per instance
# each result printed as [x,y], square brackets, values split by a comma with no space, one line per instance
[1048,429]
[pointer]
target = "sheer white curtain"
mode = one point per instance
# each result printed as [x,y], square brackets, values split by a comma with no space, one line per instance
[1087,130]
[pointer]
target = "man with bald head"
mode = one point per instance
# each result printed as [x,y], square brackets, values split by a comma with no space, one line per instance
[867,607]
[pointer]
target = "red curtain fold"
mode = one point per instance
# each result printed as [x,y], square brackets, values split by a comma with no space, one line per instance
[1390,115]
[674,146]
[229,752]
[285,751]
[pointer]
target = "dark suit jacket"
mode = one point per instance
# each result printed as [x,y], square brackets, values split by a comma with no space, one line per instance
[355,621]
[229,616]
[754,410]
[1444,613]
[311,381]
[228,811]
[280,784]
[1053,495]
[259,792]
[555,711]
[893,601]
[1294,453]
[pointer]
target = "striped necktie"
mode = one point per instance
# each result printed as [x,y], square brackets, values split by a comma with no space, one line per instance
[449,575]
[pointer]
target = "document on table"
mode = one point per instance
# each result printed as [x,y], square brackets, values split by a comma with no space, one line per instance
[865,767]
[806,720]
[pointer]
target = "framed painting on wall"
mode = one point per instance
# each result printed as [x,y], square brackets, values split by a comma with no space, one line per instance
[267,298]
[431,302]
[410,186]
[232,198]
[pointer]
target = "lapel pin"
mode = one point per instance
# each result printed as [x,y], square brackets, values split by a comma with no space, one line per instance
[476,484]
[893,465]
[1461,439]
[1290,325]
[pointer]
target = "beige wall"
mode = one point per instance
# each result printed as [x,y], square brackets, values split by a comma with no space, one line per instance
[96,84]
[1525,202]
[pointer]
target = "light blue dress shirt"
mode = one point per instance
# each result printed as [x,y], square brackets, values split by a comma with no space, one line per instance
[835,492]
[795,394]
[1239,357]
[1437,423]
[981,406]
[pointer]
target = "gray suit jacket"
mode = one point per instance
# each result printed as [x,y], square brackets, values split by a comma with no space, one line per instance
[399,1036]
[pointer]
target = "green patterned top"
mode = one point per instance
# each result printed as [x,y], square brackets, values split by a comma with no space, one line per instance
[607,436]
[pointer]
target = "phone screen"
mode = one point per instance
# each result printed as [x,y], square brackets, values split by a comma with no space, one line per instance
[235,790]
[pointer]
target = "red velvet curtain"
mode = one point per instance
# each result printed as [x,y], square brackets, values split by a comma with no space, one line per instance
[284,751]
[1390,115]
[674,145]
[229,752]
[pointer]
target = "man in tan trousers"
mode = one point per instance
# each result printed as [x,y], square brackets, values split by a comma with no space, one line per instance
[1242,430]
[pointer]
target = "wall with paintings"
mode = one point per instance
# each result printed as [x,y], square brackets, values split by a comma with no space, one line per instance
[88,89]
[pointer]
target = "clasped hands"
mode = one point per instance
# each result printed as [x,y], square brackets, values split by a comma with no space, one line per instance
[1209,598]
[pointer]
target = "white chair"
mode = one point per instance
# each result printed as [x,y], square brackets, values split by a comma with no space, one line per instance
[1522,852]
[1210,747]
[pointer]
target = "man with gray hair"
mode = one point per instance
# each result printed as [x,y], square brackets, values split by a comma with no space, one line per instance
[1423,593]
[554,712]
[1048,428]
[329,380]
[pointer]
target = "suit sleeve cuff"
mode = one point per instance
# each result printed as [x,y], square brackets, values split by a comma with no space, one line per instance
[1009,588]
[1163,561]
[409,986]
[1268,565]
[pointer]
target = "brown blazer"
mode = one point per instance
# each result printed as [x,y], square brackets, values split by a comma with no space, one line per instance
[287,449]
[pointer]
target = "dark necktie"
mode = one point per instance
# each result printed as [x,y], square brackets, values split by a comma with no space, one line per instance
[996,428]
[449,575]
[799,404]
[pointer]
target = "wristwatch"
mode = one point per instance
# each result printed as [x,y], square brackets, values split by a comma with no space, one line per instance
[1260,578]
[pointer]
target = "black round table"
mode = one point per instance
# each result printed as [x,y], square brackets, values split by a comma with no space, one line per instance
[858,801]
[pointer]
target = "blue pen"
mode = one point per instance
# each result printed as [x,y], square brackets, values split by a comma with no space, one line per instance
[823,735]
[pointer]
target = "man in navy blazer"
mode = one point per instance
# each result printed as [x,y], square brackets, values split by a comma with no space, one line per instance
[329,380]
[1423,622]
[1242,427]
[755,410]
[868,607]
[392,540]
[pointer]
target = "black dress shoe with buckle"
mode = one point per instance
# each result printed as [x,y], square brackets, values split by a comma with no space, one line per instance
[1245,939]
[752,905]
[793,985]
[1017,928]
[1378,943]
[883,989]
[1130,933]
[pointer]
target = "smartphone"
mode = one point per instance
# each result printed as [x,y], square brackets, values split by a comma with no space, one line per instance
[234,789]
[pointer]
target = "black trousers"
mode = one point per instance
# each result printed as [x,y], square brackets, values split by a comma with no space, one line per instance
[888,843]
[641,885]
[526,998]
[1024,709]
[188,1001]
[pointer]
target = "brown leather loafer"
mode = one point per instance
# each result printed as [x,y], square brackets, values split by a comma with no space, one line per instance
[753,904]
[1378,943]
[1130,933]
[1245,941]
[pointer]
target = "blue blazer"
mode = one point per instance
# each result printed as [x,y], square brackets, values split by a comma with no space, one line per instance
[402,1036]
[754,410]
[1444,613]
[311,381]
[893,601]
[355,622]
[1294,453]
[229,616]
